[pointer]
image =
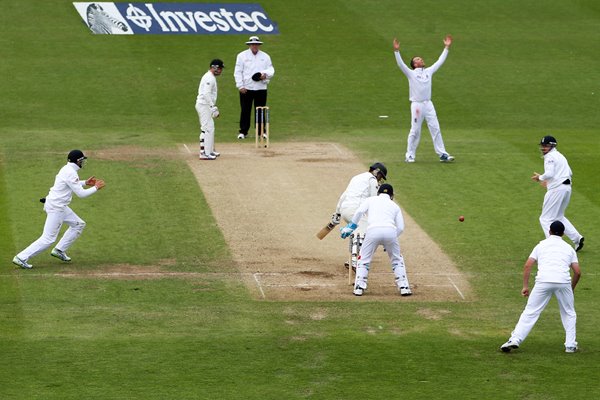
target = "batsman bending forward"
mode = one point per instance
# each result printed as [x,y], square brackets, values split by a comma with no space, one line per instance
[360,188]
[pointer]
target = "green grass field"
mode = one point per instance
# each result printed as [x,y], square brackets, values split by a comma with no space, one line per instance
[517,70]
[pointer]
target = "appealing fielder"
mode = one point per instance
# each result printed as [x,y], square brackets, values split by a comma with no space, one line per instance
[421,107]
[56,205]
[360,188]
[253,72]
[206,106]
[557,180]
[555,258]
[385,224]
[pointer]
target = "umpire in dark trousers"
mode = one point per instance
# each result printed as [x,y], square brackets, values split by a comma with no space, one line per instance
[253,72]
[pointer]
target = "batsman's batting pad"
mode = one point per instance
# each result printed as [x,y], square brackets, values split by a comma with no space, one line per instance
[256,77]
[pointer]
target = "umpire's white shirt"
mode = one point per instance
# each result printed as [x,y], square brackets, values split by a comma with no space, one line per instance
[556,169]
[207,90]
[383,213]
[554,258]
[419,80]
[247,64]
[65,184]
[360,188]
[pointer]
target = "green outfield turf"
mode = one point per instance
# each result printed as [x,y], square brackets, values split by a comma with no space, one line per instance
[517,70]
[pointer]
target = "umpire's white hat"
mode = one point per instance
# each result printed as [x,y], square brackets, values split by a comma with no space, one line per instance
[254,40]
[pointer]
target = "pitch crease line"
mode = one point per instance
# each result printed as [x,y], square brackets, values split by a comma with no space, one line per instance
[262,293]
[456,287]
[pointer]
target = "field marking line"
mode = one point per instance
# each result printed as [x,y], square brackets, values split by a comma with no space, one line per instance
[335,146]
[187,148]
[456,287]
[262,293]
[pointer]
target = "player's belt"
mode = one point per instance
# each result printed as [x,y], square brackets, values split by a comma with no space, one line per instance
[566,182]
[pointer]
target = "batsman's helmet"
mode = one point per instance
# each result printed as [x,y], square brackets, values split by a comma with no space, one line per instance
[75,156]
[380,168]
[548,141]
[387,189]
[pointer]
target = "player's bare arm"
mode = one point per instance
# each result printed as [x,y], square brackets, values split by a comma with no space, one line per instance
[526,272]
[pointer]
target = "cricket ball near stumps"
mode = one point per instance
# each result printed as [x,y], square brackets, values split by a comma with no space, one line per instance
[461,218]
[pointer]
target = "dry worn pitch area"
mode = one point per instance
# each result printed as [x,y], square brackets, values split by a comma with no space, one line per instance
[270,203]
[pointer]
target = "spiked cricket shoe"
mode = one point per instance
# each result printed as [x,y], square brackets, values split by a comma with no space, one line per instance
[21,263]
[508,346]
[61,255]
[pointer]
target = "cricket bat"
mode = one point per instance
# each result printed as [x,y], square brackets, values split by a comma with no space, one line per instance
[325,231]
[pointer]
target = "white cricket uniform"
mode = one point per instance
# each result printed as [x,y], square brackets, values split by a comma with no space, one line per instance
[557,174]
[58,212]
[385,224]
[207,98]
[360,188]
[247,64]
[554,258]
[419,84]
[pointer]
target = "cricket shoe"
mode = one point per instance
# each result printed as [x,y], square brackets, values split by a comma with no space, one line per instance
[21,263]
[60,255]
[215,153]
[358,291]
[405,291]
[579,245]
[570,349]
[409,159]
[508,346]
[207,157]
[241,136]
[446,158]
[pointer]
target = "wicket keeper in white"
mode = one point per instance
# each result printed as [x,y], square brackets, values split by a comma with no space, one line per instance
[384,224]
[421,107]
[56,205]
[206,106]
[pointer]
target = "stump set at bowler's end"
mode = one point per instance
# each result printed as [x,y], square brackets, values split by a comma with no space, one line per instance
[262,126]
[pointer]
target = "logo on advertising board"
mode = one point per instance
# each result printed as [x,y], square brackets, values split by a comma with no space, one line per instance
[174,18]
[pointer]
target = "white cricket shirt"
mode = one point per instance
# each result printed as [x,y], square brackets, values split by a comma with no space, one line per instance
[207,90]
[419,79]
[554,258]
[382,213]
[556,169]
[65,184]
[247,64]
[360,187]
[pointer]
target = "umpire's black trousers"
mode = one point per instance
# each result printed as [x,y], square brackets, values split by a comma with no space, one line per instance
[259,98]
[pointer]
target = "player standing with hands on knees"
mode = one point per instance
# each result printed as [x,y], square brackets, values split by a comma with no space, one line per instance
[56,205]
[421,107]
[555,259]
[557,179]
[384,224]
[206,106]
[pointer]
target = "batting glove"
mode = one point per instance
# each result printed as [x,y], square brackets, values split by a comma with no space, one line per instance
[347,230]
[336,218]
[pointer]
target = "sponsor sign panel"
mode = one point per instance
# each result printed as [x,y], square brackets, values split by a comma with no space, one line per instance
[175,18]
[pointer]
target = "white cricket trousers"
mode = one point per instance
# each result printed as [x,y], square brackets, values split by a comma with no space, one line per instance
[54,221]
[420,110]
[374,237]
[538,300]
[553,209]
[207,129]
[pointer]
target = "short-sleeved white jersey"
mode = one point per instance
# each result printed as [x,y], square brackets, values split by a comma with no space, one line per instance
[554,258]
[556,169]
